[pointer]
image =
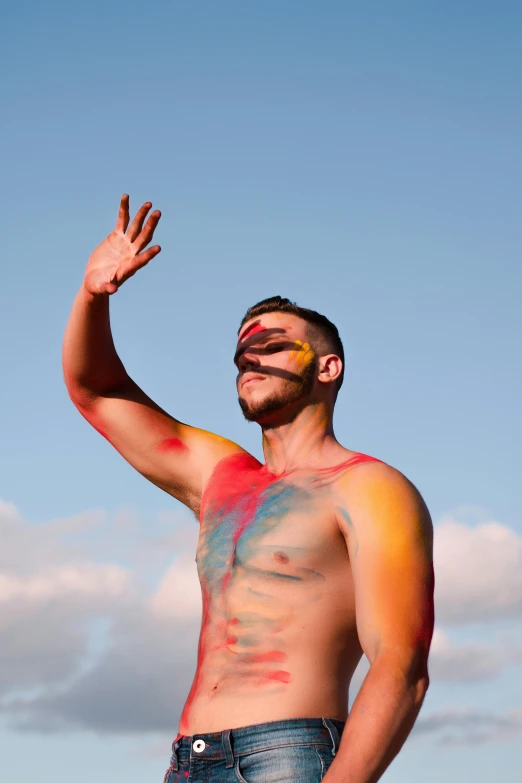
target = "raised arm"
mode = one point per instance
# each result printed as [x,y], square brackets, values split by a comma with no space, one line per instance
[174,456]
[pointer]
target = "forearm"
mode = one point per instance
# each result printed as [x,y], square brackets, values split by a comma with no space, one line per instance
[380,720]
[90,362]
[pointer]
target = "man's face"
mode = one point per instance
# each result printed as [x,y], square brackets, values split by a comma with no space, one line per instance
[276,365]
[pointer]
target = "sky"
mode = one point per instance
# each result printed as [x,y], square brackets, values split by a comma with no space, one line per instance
[360,158]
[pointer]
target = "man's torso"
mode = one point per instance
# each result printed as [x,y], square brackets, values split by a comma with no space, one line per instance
[278,637]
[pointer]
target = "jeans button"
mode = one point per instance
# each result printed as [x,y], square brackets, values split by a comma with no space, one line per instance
[198,746]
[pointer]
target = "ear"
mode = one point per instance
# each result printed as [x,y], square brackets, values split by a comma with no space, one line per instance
[330,368]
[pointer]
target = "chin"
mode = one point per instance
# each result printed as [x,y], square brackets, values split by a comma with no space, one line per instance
[253,410]
[272,409]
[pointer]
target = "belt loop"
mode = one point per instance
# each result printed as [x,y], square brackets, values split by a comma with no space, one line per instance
[227,747]
[334,734]
[174,759]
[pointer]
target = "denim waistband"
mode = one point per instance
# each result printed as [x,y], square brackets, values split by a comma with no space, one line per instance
[260,736]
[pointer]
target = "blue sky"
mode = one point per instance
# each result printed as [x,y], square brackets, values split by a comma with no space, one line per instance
[362,159]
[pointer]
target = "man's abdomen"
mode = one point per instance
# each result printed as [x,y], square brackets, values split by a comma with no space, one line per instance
[272,659]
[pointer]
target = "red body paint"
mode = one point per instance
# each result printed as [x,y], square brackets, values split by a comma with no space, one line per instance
[280,676]
[231,640]
[93,418]
[357,459]
[269,657]
[172,444]
[232,493]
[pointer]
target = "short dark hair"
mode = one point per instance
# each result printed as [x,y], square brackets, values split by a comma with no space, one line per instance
[324,331]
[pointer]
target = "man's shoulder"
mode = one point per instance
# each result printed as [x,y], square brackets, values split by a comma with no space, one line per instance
[355,467]
[373,488]
[359,469]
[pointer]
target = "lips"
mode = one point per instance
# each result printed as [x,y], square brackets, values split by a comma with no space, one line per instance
[250,378]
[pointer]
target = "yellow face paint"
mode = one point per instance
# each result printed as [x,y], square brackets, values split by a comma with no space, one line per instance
[302,355]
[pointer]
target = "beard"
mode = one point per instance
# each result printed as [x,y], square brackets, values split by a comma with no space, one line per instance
[291,391]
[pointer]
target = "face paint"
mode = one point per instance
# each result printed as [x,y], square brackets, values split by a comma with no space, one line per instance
[255,328]
[295,377]
[302,355]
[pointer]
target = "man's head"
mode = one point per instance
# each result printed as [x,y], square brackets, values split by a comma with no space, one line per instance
[288,357]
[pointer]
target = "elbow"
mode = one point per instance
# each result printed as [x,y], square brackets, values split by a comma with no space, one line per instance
[419,676]
[421,687]
[411,668]
[81,397]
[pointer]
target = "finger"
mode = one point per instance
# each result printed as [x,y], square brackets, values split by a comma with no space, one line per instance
[144,258]
[137,224]
[147,232]
[123,214]
[137,263]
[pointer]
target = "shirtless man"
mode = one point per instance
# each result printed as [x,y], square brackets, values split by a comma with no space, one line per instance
[305,562]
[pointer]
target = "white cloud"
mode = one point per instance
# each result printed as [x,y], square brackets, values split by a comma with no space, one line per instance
[470,726]
[139,684]
[75,581]
[49,596]
[478,572]
[55,586]
[178,594]
[30,549]
[471,662]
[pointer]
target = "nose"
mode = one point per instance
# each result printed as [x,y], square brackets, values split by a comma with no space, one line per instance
[247,361]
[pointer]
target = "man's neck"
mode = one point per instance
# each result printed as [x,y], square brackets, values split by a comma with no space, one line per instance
[307,441]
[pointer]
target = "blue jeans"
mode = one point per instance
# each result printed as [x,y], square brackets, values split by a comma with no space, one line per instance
[284,751]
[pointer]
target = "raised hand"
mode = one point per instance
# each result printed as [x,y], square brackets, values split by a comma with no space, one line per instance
[119,256]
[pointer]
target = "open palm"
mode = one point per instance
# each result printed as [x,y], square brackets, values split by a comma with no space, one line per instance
[120,254]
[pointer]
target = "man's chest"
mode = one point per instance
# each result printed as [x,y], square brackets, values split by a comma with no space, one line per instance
[280,534]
